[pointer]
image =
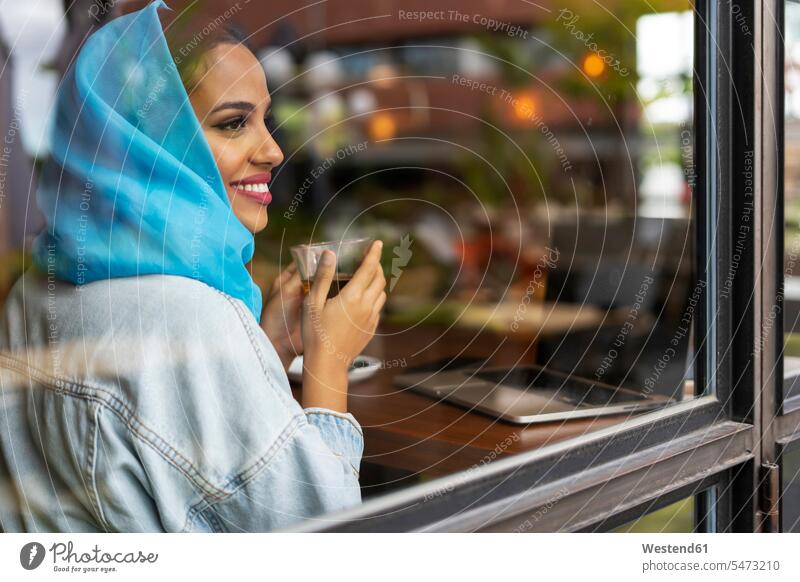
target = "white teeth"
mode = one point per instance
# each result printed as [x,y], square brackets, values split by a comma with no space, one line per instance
[260,188]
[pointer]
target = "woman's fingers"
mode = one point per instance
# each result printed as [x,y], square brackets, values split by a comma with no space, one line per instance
[378,305]
[294,281]
[373,322]
[283,277]
[366,270]
[288,272]
[291,292]
[323,278]
[375,287]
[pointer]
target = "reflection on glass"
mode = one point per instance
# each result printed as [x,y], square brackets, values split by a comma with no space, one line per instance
[534,187]
[539,182]
[791,165]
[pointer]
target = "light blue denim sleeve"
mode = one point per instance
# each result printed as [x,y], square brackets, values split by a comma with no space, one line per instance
[311,470]
[306,479]
[210,437]
[341,432]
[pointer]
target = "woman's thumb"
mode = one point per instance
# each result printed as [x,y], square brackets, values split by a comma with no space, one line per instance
[323,277]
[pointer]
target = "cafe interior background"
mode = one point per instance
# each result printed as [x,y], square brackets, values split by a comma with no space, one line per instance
[529,166]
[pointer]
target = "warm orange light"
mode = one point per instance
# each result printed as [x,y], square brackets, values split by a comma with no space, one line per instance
[524,107]
[382,126]
[384,76]
[593,65]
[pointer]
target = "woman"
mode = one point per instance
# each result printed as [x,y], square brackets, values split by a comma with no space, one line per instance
[142,387]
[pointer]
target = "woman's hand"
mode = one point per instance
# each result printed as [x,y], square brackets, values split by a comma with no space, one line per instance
[336,330]
[280,318]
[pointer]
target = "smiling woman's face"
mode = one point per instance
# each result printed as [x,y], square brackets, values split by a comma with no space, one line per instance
[231,101]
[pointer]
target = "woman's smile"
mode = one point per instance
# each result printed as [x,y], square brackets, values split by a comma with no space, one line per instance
[255,187]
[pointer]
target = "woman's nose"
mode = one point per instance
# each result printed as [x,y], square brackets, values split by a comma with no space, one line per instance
[268,151]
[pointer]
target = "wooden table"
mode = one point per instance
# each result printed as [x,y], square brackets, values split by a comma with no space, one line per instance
[408,431]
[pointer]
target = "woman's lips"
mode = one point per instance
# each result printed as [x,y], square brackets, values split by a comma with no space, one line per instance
[254,187]
[263,178]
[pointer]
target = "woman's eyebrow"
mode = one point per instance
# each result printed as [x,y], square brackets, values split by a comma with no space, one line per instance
[240,105]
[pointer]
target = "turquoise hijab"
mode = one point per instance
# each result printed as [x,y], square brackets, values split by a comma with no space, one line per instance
[131,187]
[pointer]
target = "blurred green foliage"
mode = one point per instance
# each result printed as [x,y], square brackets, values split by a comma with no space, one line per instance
[675,518]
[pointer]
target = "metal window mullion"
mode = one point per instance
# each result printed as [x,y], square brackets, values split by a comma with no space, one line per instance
[595,495]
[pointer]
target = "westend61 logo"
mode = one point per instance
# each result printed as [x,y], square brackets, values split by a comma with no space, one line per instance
[65,559]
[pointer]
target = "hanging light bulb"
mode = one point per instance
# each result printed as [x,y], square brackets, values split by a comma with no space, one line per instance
[524,107]
[593,65]
[382,126]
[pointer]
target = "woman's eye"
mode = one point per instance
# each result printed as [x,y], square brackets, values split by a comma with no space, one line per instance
[233,124]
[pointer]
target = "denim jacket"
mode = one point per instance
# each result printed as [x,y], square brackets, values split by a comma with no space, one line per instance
[156,403]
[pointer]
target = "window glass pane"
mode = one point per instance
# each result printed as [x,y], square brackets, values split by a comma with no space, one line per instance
[789,462]
[675,518]
[791,164]
[533,182]
[36,37]
[531,171]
